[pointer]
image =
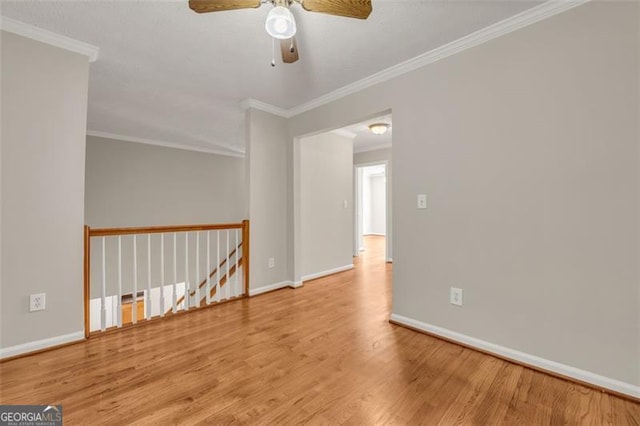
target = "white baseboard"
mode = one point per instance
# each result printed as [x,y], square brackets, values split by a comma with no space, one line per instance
[374,234]
[389,260]
[327,272]
[296,284]
[270,287]
[41,344]
[523,358]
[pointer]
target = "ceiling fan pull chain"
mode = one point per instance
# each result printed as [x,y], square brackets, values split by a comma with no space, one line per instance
[273,52]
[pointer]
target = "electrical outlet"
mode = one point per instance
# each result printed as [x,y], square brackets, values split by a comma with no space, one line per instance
[37,302]
[455,297]
[272,262]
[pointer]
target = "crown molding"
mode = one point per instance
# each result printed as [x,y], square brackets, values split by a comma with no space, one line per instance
[164,144]
[263,106]
[371,148]
[506,26]
[345,133]
[48,37]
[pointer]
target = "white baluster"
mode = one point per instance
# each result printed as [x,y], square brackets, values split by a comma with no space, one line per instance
[134,305]
[208,294]
[162,283]
[228,282]
[218,268]
[175,275]
[103,288]
[187,290]
[148,302]
[119,301]
[196,302]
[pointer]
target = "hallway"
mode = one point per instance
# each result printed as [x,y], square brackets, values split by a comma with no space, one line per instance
[323,354]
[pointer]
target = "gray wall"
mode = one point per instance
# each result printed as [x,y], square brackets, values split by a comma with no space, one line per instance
[383,154]
[132,184]
[267,156]
[44,110]
[527,147]
[375,156]
[326,181]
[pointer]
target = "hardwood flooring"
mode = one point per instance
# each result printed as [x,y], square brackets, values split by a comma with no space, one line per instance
[321,354]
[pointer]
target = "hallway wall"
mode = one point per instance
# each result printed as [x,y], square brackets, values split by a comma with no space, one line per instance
[44,113]
[268,200]
[326,179]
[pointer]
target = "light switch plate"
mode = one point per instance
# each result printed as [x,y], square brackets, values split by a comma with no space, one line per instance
[422,201]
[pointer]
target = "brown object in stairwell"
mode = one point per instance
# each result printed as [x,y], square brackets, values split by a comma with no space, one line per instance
[127,311]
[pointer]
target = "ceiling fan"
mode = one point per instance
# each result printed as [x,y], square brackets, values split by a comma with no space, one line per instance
[280,23]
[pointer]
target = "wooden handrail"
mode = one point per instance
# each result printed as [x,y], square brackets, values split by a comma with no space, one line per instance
[108,232]
[204,282]
[223,281]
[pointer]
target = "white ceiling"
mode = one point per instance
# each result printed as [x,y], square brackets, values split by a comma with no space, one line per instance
[364,140]
[168,74]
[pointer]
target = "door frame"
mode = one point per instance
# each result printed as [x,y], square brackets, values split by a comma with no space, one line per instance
[357,203]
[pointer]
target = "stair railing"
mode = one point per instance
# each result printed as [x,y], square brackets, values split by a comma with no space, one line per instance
[222,279]
[118,262]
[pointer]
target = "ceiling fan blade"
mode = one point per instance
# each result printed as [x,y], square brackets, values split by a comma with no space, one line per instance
[204,6]
[360,9]
[286,46]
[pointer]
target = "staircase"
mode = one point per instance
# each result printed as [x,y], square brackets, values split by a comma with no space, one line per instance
[223,280]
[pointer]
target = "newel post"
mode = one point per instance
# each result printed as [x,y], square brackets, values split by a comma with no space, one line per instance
[87,278]
[245,254]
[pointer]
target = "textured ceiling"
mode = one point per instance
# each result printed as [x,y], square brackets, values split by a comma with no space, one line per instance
[168,74]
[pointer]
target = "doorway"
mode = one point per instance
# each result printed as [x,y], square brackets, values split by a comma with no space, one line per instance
[371,206]
[370,145]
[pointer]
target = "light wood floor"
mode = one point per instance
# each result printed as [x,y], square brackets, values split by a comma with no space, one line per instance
[324,354]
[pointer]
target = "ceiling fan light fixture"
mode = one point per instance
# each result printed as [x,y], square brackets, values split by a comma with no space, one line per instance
[379,128]
[280,23]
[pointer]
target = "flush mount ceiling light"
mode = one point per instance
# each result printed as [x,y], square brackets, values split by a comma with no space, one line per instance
[379,128]
[280,23]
